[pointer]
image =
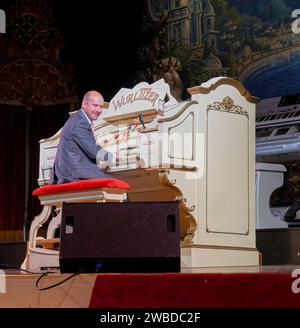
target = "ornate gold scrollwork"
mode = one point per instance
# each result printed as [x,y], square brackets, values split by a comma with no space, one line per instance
[188,223]
[192,208]
[228,105]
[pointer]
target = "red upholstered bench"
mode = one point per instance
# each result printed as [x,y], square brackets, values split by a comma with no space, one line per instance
[80,185]
[92,190]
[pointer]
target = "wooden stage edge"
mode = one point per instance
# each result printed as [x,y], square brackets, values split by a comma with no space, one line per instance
[18,290]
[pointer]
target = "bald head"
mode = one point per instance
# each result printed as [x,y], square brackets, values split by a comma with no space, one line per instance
[91,94]
[92,104]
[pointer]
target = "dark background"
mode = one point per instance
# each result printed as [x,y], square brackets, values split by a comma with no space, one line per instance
[102,39]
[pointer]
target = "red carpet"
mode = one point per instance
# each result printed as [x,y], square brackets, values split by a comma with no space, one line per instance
[203,290]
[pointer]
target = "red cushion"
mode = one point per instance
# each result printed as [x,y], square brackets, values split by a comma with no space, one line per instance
[80,185]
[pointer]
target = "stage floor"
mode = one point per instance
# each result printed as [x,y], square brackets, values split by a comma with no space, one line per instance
[229,287]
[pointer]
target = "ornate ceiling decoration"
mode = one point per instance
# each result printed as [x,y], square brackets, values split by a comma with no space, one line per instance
[31,72]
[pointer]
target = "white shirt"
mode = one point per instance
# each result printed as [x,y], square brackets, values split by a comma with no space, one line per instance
[90,122]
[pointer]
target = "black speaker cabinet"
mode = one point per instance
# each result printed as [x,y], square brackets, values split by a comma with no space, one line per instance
[279,246]
[120,237]
[12,254]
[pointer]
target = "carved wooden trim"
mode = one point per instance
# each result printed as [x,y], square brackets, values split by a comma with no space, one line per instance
[188,224]
[245,93]
[228,105]
[183,109]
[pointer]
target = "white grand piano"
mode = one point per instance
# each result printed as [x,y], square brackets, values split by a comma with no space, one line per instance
[200,152]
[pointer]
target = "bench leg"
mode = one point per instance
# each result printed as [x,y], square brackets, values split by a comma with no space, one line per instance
[38,221]
[54,224]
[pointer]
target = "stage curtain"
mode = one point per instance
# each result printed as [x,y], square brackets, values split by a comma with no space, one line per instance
[42,123]
[12,172]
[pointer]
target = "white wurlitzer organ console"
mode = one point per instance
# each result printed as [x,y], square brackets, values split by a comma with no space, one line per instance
[199,152]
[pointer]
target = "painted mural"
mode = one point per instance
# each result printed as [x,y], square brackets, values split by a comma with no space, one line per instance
[250,40]
[187,42]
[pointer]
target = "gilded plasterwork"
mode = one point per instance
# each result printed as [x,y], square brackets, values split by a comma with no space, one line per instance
[32,73]
[228,105]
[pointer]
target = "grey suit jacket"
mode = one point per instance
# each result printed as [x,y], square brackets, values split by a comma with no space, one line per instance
[77,152]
